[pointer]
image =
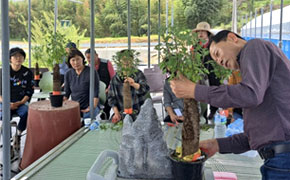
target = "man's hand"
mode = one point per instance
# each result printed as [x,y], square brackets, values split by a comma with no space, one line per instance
[210,146]
[132,83]
[13,106]
[174,118]
[116,118]
[130,80]
[86,110]
[182,87]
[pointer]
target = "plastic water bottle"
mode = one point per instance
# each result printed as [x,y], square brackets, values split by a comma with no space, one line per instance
[95,125]
[220,126]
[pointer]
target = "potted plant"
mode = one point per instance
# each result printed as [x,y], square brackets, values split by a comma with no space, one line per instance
[37,54]
[127,65]
[55,49]
[182,60]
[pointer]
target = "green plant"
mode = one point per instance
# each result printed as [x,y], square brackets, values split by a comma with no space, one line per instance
[184,54]
[43,37]
[127,62]
[55,48]
[127,65]
[220,72]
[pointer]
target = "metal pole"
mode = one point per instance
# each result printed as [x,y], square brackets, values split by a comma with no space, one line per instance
[92,68]
[234,17]
[55,15]
[149,34]
[243,29]
[281,22]
[262,12]
[166,17]
[255,23]
[270,26]
[5,90]
[129,24]
[159,28]
[29,33]
[246,25]
[172,13]
[251,24]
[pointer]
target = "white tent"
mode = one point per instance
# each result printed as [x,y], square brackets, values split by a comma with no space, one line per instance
[246,30]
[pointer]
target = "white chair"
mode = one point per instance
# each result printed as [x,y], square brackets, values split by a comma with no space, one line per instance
[45,84]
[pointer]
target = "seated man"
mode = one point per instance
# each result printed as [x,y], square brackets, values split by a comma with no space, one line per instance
[106,72]
[21,87]
[137,81]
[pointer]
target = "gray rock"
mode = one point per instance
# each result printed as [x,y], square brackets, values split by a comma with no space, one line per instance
[143,152]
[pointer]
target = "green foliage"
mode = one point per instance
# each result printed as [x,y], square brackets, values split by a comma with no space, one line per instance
[37,52]
[220,72]
[45,41]
[187,13]
[126,62]
[55,48]
[196,11]
[115,127]
[179,59]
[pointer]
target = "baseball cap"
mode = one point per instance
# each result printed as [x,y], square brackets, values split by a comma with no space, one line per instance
[16,50]
[71,45]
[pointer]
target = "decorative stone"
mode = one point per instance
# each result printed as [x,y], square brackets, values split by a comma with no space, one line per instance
[143,152]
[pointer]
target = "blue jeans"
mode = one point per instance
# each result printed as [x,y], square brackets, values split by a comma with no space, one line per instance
[22,112]
[87,114]
[276,168]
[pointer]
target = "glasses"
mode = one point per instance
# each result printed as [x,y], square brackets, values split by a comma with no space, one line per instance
[18,56]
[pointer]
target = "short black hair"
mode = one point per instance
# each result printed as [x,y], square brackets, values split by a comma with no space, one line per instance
[16,50]
[88,51]
[73,53]
[128,52]
[222,36]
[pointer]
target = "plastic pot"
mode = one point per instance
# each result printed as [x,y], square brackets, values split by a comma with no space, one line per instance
[56,100]
[187,170]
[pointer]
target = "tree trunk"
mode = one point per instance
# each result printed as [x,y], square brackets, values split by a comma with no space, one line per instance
[127,98]
[56,79]
[190,130]
[36,72]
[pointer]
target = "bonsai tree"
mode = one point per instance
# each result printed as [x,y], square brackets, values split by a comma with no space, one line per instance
[55,49]
[127,65]
[182,60]
[37,55]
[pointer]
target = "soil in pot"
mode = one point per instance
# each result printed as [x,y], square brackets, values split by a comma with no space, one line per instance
[187,170]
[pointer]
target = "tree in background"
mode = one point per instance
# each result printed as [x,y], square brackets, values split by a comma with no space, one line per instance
[42,28]
[16,10]
[201,10]
[111,15]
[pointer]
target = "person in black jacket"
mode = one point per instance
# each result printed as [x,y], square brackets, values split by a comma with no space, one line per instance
[21,87]
[204,33]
